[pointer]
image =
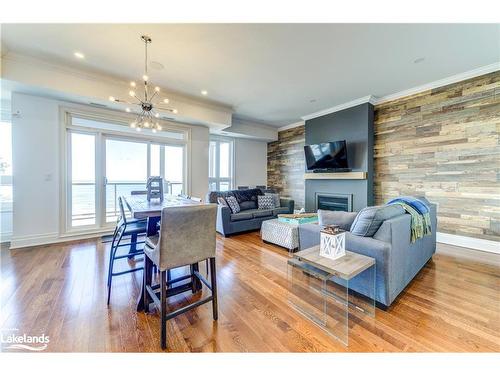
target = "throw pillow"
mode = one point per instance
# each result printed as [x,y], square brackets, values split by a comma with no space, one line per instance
[233,204]
[222,201]
[265,202]
[370,219]
[341,218]
[276,198]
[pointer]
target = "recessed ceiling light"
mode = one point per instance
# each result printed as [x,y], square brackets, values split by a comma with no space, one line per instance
[419,60]
[204,92]
[79,55]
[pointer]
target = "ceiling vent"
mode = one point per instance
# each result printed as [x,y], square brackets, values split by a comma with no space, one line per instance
[98,105]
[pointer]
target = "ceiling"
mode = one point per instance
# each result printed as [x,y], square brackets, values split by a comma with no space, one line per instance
[272,73]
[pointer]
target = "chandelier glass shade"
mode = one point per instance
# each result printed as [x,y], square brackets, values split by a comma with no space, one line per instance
[146,104]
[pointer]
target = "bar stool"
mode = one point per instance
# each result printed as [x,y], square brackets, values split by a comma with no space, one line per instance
[125,228]
[186,237]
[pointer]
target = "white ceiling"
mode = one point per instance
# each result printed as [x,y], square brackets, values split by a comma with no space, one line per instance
[273,73]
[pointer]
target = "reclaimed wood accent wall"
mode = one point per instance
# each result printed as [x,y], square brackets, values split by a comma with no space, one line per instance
[286,164]
[444,144]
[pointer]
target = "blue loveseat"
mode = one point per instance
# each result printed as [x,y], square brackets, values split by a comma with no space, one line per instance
[250,217]
[397,259]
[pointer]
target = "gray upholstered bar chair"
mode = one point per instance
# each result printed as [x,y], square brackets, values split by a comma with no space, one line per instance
[186,237]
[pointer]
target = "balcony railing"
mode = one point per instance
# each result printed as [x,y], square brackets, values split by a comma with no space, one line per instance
[83,199]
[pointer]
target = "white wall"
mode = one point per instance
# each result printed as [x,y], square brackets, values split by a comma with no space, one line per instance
[199,161]
[36,160]
[35,154]
[250,162]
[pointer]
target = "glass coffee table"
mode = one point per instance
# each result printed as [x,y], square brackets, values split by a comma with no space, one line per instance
[319,289]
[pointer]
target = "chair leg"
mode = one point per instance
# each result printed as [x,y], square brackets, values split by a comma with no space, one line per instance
[213,281]
[133,245]
[147,281]
[206,264]
[193,279]
[163,308]
[114,249]
[110,270]
[111,255]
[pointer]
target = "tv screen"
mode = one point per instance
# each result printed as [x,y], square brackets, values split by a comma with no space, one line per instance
[330,155]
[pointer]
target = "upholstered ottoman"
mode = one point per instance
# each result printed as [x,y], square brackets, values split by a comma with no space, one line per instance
[281,234]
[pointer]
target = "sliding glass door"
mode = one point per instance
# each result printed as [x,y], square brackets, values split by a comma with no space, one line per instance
[126,171]
[82,174]
[102,167]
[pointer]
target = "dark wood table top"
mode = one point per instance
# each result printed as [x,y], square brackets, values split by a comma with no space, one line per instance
[141,207]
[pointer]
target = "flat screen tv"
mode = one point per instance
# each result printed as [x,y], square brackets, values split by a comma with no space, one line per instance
[330,155]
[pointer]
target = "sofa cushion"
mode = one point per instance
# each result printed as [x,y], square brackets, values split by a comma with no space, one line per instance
[222,201]
[265,202]
[233,204]
[276,198]
[246,195]
[242,215]
[280,210]
[248,205]
[369,219]
[341,218]
[262,213]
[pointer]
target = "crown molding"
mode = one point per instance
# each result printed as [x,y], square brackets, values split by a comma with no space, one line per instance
[366,99]
[291,126]
[440,83]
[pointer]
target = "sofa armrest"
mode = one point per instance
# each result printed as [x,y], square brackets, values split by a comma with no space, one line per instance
[223,219]
[289,203]
[309,235]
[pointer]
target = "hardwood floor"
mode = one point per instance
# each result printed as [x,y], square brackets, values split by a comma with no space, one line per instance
[60,290]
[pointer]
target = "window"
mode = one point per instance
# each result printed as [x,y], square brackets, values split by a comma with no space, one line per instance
[174,168]
[220,164]
[83,179]
[104,164]
[5,180]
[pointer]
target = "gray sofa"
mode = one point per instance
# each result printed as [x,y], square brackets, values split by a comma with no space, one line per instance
[250,217]
[397,259]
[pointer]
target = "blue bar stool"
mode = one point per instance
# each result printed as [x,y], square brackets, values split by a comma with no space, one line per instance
[125,228]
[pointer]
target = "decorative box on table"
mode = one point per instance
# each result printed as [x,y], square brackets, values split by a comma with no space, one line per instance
[298,218]
[332,244]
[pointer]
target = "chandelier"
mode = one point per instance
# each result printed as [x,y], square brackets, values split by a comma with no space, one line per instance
[147,103]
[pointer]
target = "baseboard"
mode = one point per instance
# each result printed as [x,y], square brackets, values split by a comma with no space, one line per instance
[469,242]
[50,238]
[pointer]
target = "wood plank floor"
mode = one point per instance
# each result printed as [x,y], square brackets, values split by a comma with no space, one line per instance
[452,305]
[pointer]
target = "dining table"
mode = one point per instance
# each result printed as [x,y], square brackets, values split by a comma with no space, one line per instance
[142,208]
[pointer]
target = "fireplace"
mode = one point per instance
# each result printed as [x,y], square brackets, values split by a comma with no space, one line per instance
[334,202]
